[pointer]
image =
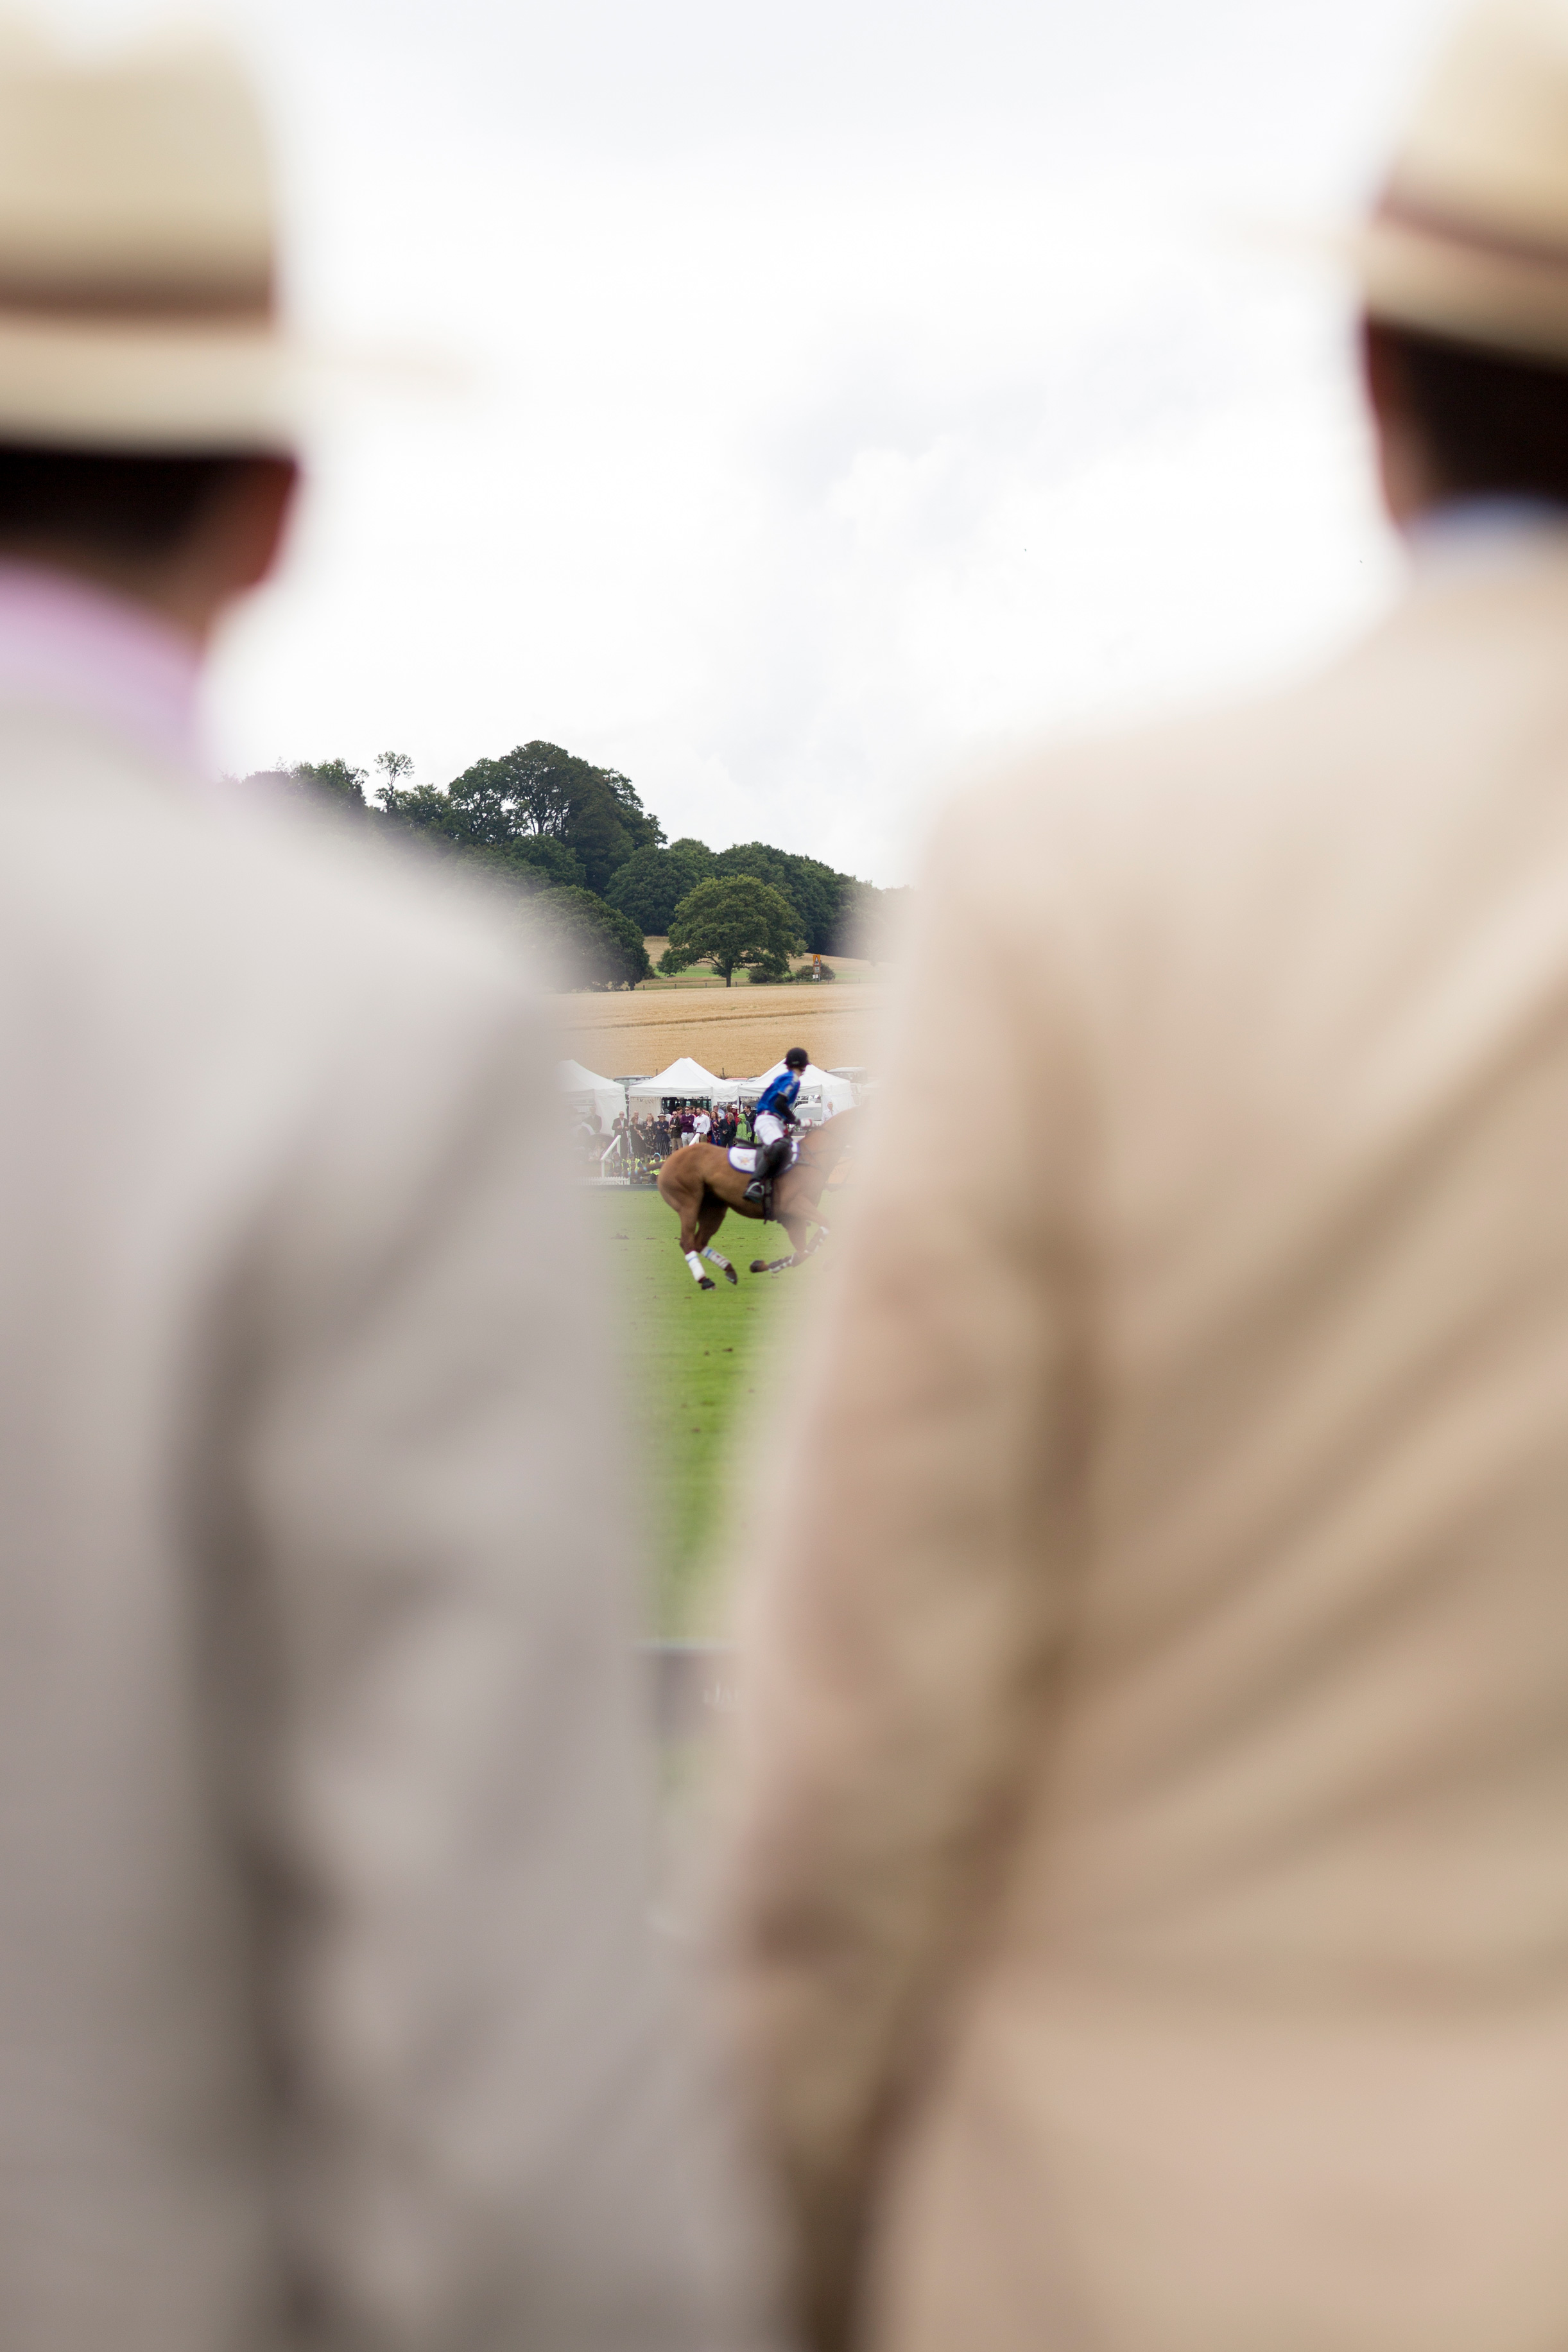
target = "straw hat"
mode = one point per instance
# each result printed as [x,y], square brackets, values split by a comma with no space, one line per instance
[137,293]
[1470,238]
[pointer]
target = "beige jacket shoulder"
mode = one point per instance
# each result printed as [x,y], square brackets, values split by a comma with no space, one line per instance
[1148,1918]
[330,2009]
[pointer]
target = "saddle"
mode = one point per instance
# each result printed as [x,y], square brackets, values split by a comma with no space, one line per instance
[743,1157]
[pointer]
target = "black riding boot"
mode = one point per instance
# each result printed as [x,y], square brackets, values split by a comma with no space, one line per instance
[771,1157]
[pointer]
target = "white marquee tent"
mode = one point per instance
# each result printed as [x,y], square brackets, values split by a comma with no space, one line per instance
[585,1091]
[684,1080]
[823,1094]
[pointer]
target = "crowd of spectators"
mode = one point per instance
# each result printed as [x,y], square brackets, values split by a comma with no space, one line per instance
[653,1140]
[637,1146]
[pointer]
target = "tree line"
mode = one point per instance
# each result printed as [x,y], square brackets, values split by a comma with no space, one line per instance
[592,875]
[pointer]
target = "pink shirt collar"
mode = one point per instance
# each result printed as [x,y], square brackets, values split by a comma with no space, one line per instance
[65,641]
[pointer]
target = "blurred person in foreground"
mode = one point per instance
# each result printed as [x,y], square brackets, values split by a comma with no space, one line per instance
[1148,1925]
[329,2014]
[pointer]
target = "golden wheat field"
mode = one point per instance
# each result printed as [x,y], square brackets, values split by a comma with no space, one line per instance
[737,1033]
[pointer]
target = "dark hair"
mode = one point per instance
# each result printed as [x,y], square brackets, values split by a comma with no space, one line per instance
[1491,422]
[797,1058]
[124,502]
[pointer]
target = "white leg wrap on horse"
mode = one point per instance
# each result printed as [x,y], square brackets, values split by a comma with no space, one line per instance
[695,1262]
[718,1257]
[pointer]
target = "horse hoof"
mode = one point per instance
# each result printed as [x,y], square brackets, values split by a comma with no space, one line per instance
[706,1284]
[758,1266]
[731,1276]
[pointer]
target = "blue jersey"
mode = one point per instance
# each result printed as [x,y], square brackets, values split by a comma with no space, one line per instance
[779,1095]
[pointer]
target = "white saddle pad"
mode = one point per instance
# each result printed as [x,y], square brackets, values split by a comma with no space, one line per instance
[743,1156]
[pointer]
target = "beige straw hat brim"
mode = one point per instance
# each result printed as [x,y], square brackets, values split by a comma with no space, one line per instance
[1469,241]
[115,383]
[1461,280]
[138,271]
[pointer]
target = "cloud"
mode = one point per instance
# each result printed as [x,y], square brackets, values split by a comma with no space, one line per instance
[863,390]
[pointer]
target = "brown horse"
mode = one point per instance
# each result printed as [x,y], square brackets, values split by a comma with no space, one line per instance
[700,1185]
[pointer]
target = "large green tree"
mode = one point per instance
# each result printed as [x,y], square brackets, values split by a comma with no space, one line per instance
[543,822]
[585,943]
[532,859]
[581,942]
[652,882]
[734,923]
[816,891]
[873,923]
[333,781]
[539,803]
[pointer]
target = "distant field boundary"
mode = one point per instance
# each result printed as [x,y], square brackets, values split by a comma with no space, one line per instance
[734,1032]
[689,981]
[638,1010]
[850,970]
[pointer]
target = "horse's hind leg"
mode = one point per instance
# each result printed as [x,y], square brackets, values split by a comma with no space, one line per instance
[691,1218]
[708,1222]
[781,1265]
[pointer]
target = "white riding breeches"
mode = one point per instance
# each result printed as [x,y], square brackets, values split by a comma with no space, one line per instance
[770,1127]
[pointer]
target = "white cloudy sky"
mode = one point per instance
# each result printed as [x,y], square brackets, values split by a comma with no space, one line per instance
[859,386]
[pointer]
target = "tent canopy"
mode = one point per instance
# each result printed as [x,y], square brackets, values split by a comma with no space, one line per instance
[824,1087]
[684,1078]
[586,1089]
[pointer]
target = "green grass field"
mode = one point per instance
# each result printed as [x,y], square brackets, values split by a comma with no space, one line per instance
[701,1365]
